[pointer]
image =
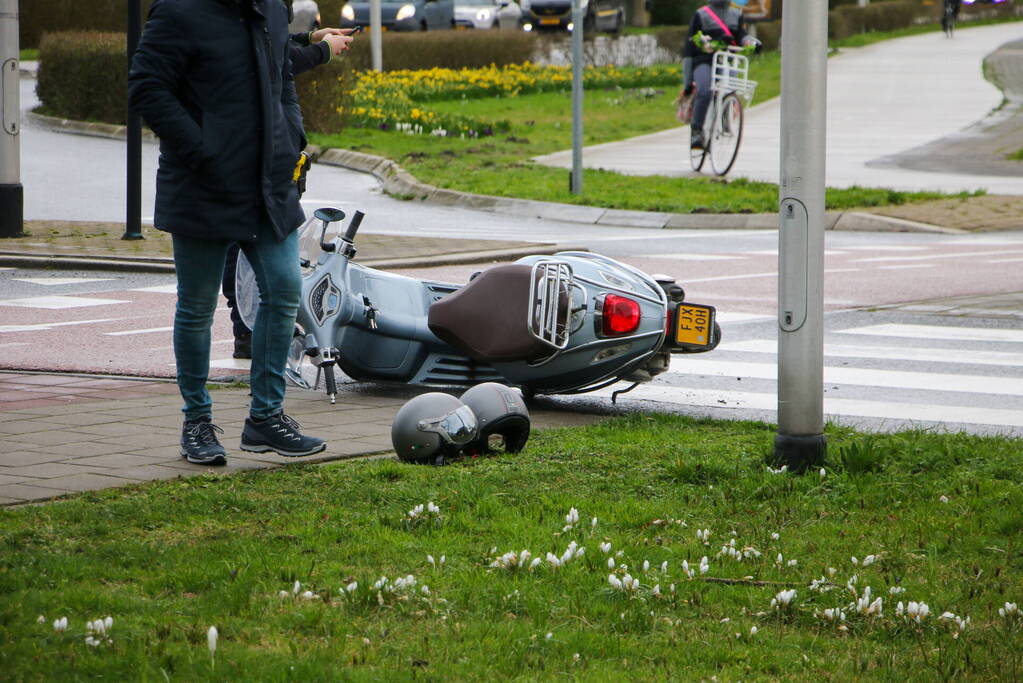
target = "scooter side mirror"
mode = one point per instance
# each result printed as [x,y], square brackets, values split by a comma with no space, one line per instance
[328,215]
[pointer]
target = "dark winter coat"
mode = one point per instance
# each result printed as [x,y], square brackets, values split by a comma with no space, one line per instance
[212,78]
[305,56]
[703,22]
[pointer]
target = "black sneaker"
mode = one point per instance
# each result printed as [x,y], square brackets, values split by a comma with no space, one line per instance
[243,346]
[696,139]
[199,444]
[279,434]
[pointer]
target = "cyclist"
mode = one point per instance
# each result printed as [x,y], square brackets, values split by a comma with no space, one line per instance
[720,22]
[950,14]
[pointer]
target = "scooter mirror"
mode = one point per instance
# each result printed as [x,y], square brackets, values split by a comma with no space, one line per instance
[329,215]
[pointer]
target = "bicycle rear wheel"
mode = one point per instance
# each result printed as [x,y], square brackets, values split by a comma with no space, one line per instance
[698,156]
[726,134]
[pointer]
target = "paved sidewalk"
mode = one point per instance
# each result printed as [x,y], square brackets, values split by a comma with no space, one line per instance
[64,434]
[884,99]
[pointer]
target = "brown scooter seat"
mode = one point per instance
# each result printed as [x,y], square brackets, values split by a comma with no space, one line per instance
[488,318]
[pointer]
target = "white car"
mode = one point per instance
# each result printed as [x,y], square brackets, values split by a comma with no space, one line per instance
[307,16]
[487,14]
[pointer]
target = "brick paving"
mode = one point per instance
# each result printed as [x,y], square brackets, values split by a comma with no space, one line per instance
[65,434]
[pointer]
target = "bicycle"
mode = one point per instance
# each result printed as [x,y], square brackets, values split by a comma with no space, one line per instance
[722,127]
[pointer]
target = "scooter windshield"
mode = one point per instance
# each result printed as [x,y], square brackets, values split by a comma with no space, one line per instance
[458,427]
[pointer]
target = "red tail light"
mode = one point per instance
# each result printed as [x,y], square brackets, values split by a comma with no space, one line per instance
[620,315]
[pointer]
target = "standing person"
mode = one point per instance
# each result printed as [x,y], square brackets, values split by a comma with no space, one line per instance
[307,50]
[950,15]
[717,21]
[212,78]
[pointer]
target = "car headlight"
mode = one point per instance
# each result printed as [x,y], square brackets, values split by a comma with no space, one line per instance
[483,15]
[405,12]
[348,12]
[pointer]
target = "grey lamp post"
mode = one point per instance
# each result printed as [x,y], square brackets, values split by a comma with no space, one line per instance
[800,441]
[12,194]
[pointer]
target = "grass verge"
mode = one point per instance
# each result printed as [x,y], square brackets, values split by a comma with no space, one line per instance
[937,517]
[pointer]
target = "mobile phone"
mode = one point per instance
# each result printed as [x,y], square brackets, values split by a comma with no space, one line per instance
[357,29]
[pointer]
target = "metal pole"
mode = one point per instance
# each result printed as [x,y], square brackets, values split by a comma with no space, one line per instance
[576,179]
[133,162]
[12,194]
[800,440]
[376,38]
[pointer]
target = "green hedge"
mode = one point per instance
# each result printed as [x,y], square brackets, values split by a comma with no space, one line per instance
[84,76]
[46,16]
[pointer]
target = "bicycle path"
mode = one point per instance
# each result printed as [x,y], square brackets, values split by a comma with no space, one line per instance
[884,100]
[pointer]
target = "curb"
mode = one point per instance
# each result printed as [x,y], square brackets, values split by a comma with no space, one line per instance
[398,182]
[154,264]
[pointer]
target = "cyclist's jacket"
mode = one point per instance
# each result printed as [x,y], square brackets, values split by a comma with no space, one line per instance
[704,21]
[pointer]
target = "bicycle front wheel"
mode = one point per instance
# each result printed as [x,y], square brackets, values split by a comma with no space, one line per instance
[726,134]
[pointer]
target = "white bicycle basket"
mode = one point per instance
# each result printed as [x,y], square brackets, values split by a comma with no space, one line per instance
[731,74]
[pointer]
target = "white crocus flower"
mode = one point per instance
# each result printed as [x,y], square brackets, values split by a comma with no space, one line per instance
[664,567]
[869,560]
[572,517]
[822,473]
[1009,611]
[793,563]
[352,587]
[308,595]
[704,565]
[283,594]
[615,582]
[610,563]
[425,590]
[943,499]
[429,558]
[61,624]
[40,619]
[91,642]
[646,565]
[778,560]
[536,561]
[753,630]
[593,523]
[553,560]
[656,590]
[854,561]
[296,588]
[783,599]
[896,590]
[524,557]
[211,640]
[775,536]
[605,548]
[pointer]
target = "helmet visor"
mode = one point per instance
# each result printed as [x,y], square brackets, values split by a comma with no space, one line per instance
[458,427]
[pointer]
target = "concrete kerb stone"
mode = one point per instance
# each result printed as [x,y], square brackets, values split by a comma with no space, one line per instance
[397,181]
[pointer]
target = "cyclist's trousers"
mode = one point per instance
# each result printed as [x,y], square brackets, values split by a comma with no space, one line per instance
[702,80]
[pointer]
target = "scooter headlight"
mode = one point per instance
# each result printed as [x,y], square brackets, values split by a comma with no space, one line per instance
[405,12]
[483,15]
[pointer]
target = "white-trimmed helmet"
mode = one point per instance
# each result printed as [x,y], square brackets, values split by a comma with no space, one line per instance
[431,426]
[500,411]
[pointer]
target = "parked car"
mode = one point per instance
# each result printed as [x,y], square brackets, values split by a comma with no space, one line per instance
[487,14]
[608,16]
[409,15]
[306,18]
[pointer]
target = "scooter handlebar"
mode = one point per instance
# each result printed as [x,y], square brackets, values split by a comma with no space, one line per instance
[353,226]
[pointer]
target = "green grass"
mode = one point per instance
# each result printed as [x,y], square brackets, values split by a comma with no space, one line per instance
[168,560]
[541,123]
[1017,155]
[29,54]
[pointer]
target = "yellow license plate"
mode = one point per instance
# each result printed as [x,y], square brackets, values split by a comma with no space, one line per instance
[550,22]
[694,324]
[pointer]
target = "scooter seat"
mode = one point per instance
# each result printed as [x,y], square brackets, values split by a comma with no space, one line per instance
[487,319]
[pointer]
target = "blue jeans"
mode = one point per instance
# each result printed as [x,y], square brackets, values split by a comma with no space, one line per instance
[702,78]
[200,267]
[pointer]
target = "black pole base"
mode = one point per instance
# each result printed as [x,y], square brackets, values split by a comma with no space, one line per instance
[128,235]
[12,210]
[800,453]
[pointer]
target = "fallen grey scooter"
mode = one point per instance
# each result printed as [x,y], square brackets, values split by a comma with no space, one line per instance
[562,324]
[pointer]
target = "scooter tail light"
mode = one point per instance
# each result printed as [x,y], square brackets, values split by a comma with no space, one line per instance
[620,315]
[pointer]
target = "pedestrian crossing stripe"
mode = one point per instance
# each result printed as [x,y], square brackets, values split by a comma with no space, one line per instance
[898,379]
[911,353]
[833,407]
[985,334]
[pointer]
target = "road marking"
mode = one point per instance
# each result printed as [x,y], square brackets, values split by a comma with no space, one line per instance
[908,266]
[730,277]
[56,302]
[232,363]
[890,247]
[1005,260]
[50,281]
[928,257]
[697,257]
[146,331]
[39,327]
[833,407]
[936,332]
[929,355]
[842,270]
[159,289]
[895,379]
[727,317]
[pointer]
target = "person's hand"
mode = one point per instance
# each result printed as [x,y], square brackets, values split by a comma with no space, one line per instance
[319,34]
[338,42]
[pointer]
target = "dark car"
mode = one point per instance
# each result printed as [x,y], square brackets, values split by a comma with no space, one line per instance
[608,16]
[411,15]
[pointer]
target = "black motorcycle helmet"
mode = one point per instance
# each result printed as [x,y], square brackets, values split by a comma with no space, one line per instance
[500,412]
